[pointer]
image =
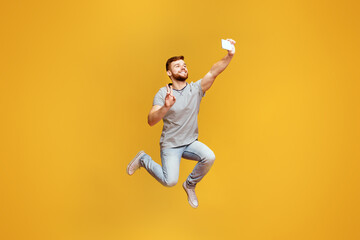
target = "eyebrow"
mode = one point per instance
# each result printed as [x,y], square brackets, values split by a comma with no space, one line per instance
[177,64]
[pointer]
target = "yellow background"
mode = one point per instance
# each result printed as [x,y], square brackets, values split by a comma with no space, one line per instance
[77,82]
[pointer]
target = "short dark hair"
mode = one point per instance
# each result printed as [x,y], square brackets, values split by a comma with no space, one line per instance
[173,59]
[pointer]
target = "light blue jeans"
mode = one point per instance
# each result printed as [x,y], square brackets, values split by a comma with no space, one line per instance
[168,173]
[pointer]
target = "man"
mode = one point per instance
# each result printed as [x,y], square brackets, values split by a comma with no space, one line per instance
[177,105]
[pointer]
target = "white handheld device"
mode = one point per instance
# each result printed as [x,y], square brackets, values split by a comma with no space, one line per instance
[225,44]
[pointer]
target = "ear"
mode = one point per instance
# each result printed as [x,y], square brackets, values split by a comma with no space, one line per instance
[169,73]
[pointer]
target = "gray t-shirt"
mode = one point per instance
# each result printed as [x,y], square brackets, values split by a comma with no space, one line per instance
[180,122]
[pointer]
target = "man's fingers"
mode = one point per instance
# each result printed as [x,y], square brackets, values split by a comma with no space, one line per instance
[167,89]
[231,40]
[171,90]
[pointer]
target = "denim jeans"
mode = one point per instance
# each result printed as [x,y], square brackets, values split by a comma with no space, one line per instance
[168,173]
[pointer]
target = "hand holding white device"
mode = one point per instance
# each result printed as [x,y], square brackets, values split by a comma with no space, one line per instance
[225,44]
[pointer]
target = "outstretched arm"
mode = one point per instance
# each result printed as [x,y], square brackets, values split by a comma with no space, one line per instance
[158,112]
[217,68]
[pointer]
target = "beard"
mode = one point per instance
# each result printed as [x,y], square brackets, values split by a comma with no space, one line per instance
[178,77]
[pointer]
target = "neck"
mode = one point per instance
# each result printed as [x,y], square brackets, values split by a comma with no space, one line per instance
[177,85]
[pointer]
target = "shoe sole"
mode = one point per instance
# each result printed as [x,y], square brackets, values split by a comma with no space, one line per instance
[192,205]
[134,159]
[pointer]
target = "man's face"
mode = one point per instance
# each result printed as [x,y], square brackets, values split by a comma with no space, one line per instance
[178,70]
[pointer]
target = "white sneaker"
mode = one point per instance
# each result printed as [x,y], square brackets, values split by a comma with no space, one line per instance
[135,163]
[193,201]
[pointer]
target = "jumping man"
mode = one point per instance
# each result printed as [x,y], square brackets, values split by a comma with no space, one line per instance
[177,105]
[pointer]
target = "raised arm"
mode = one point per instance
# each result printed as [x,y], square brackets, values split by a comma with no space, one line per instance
[217,68]
[158,112]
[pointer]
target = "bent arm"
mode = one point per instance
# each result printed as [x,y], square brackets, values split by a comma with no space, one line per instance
[156,114]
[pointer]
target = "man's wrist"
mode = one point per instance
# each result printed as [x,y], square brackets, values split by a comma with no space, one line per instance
[166,108]
[230,54]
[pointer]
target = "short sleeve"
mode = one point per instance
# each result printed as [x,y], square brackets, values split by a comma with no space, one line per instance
[197,84]
[159,98]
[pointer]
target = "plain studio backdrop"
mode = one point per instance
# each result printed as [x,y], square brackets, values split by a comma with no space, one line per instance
[77,79]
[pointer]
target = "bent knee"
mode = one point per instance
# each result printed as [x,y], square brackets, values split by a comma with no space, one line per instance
[170,183]
[210,157]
